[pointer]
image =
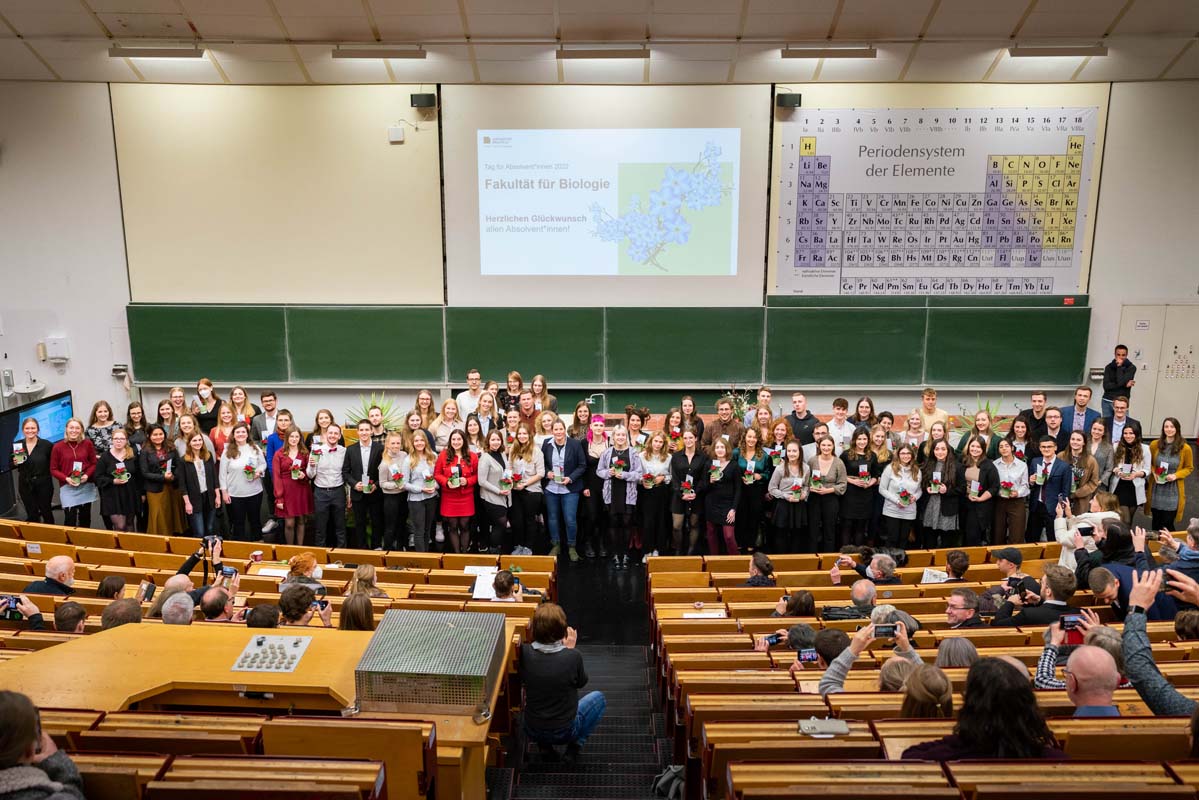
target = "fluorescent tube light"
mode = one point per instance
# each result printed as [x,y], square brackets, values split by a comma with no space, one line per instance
[378,52]
[829,52]
[1057,51]
[628,52]
[116,51]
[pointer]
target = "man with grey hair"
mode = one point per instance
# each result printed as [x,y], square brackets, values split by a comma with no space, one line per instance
[881,569]
[178,610]
[862,594]
[1091,680]
[60,575]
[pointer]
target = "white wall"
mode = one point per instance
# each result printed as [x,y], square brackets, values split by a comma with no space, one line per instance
[62,249]
[1147,228]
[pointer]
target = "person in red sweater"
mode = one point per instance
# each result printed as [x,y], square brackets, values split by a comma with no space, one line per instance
[73,465]
[457,474]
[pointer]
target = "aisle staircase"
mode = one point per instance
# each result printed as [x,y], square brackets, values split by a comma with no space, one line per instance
[626,751]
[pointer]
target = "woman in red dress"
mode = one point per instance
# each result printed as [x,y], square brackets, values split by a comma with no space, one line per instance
[293,490]
[457,473]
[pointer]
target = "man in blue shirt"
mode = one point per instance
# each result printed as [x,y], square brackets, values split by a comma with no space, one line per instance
[1091,680]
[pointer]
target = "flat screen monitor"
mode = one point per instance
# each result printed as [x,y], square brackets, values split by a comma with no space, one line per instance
[51,414]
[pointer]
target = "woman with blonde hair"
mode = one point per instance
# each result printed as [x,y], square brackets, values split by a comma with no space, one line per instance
[422,488]
[446,423]
[363,582]
[485,413]
[222,430]
[545,427]
[395,498]
[178,400]
[654,497]
[243,409]
[528,468]
[928,693]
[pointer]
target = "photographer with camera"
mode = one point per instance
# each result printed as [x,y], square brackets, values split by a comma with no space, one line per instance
[16,607]
[1041,607]
[298,604]
[210,553]
[894,669]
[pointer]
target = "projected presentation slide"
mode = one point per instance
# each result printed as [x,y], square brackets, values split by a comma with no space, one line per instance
[625,202]
[51,414]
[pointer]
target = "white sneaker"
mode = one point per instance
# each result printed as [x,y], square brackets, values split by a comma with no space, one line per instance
[270,525]
[439,536]
[645,559]
[411,540]
[654,554]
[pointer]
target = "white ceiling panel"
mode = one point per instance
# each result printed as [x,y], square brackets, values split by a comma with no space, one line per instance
[512,25]
[789,27]
[677,70]
[507,6]
[245,71]
[515,52]
[611,7]
[696,52]
[134,6]
[695,25]
[508,71]
[235,26]
[627,27]
[84,61]
[977,18]
[393,7]
[174,70]
[165,26]
[1035,70]
[245,8]
[1160,16]
[1070,18]
[343,29]
[318,59]
[697,7]
[765,64]
[444,64]
[957,62]
[604,71]
[320,8]
[1187,66]
[885,67]
[49,19]
[1132,59]
[414,27]
[866,19]
[18,63]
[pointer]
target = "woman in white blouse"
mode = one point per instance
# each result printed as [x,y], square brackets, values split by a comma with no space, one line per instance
[899,487]
[1074,531]
[1132,465]
[395,497]
[1011,505]
[242,466]
[422,489]
[789,487]
[528,468]
[654,499]
[446,423]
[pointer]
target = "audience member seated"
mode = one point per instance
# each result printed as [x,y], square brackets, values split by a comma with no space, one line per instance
[1188,552]
[1091,680]
[27,610]
[31,765]
[761,571]
[1008,560]
[552,672]
[1157,693]
[507,588]
[302,571]
[1074,533]
[797,637]
[125,611]
[60,575]
[892,673]
[1110,584]
[364,580]
[957,562]
[1094,634]
[927,693]
[70,617]
[999,718]
[217,606]
[800,604]
[888,613]
[1114,545]
[1186,625]
[1039,609]
[176,584]
[111,587]
[881,569]
[357,613]
[961,609]
[263,616]
[298,604]
[178,610]
[956,652]
[862,594]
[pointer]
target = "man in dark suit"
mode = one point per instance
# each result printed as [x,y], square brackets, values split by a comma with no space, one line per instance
[961,609]
[1119,420]
[362,461]
[565,463]
[1049,479]
[1057,587]
[1079,416]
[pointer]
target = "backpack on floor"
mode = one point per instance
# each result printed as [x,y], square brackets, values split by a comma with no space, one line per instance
[669,784]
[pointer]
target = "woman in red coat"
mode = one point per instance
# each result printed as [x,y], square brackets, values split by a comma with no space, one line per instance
[457,473]
[293,490]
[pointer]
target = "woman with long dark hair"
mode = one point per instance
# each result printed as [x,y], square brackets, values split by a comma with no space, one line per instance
[1172,462]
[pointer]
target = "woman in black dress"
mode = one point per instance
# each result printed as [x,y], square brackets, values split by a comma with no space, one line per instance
[592,502]
[862,473]
[116,470]
[723,493]
[31,457]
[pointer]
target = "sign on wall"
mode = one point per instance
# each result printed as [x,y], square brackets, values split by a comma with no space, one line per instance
[959,201]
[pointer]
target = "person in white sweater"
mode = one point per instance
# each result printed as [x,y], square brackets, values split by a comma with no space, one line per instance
[899,487]
[242,466]
[1066,527]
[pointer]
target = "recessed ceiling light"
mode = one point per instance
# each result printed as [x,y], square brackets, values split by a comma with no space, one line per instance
[829,52]
[628,52]
[378,52]
[1057,51]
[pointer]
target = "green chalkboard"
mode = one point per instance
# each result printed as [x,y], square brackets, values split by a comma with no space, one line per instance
[564,344]
[1007,345]
[839,346]
[674,345]
[361,343]
[229,344]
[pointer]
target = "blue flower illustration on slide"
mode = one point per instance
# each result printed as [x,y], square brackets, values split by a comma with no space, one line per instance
[651,225]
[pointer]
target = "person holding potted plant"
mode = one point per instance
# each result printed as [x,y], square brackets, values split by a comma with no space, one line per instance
[827,485]
[73,465]
[293,490]
[752,464]
[31,458]
[1172,463]
[900,487]
[115,471]
[241,471]
[456,473]
[198,485]
[789,487]
[419,480]
[620,469]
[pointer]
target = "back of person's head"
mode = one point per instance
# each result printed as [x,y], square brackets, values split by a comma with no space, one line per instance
[801,604]
[1091,675]
[956,651]
[503,583]
[927,694]
[830,643]
[125,611]
[863,593]
[301,564]
[957,562]
[1061,581]
[549,624]
[264,616]
[763,564]
[357,613]
[1193,531]
[179,610]
[1107,501]
[179,583]
[70,615]
[999,717]
[801,636]
[1117,539]
[1186,624]
[1100,579]
[213,602]
[19,733]
[160,600]
[1108,639]
[363,580]
[881,615]
[111,587]
[294,602]
[893,673]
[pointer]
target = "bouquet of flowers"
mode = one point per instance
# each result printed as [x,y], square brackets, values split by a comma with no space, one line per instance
[687,488]
[250,471]
[905,497]
[506,481]
[617,467]
[1160,472]
[75,477]
[120,475]
[715,473]
[1007,489]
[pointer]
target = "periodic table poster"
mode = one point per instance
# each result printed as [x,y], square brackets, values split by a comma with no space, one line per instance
[957,201]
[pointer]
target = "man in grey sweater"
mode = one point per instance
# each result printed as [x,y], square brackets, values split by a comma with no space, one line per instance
[834,676]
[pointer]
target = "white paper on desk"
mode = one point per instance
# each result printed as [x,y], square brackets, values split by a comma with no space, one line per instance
[703,615]
[934,576]
[484,586]
[475,569]
[273,572]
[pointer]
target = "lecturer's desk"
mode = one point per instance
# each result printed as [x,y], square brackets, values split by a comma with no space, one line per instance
[148,667]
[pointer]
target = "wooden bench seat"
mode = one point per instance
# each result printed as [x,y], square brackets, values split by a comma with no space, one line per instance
[366,777]
[117,776]
[818,777]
